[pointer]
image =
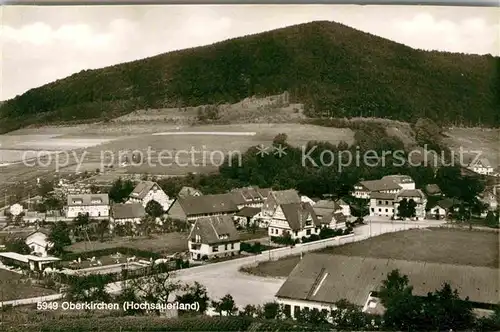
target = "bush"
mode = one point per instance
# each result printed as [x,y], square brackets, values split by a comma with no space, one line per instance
[255,248]
[287,241]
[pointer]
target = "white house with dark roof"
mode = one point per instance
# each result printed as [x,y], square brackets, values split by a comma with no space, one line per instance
[330,214]
[194,207]
[277,198]
[188,191]
[213,237]
[346,208]
[295,219]
[122,214]
[147,191]
[480,166]
[319,281]
[96,205]
[38,242]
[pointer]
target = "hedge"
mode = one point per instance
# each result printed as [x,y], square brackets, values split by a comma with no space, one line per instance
[144,323]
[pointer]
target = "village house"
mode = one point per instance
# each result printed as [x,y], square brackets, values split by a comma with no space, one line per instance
[38,242]
[295,219]
[95,205]
[443,208]
[346,208]
[194,207]
[276,198]
[382,204]
[437,211]
[480,166]
[188,191]
[364,189]
[417,196]
[330,215]
[122,214]
[248,216]
[490,197]
[213,237]
[249,196]
[147,191]
[319,281]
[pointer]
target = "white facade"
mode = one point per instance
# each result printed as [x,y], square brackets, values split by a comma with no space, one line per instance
[346,210]
[480,169]
[293,306]
[94,211]
[437,211]
[199,250]
[421,203]
[38,243]
[382,207]
[156,194]
[361,192]
[279,226]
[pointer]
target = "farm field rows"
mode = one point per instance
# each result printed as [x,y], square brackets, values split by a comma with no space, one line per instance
[430,245]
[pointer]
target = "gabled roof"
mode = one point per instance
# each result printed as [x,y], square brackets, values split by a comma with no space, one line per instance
[341,202]
[296,214]
[409,193]
[327,204]
[88,199]
[339,218]
[249,195]
[248,212]
[285,196]
[330,278]
[128,211]
[379,195]
[189,191]
[216,229]
[471,161]
[206,204]
[141,190]
[448,203]
[380,185]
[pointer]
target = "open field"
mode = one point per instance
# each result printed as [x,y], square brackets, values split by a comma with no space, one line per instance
[169,243]
[13,286]
[464,247]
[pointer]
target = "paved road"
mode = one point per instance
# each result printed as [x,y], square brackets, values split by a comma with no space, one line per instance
[223,278]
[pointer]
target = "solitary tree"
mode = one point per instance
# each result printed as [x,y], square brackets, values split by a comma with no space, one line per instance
[196,293]
[154,209]
[59,236]
[226,304]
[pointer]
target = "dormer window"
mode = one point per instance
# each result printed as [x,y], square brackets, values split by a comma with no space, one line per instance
[96,201]
[197,238]
[77,201]
[223,237]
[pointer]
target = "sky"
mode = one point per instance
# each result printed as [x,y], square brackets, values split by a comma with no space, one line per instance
[42,44]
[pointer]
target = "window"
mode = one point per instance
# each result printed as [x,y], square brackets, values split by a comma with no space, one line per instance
[379,202]
[215,248]
[386,210]
[232,245]
[296,233]
[386,202]
[296,311]
[225,247]
[379,210]
[308,232]
[373,210]
[288,310]
[197,238]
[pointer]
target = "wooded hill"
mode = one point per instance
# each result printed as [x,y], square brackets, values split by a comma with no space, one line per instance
[334,70]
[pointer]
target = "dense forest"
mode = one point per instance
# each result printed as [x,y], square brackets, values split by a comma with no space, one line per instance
[336,71]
